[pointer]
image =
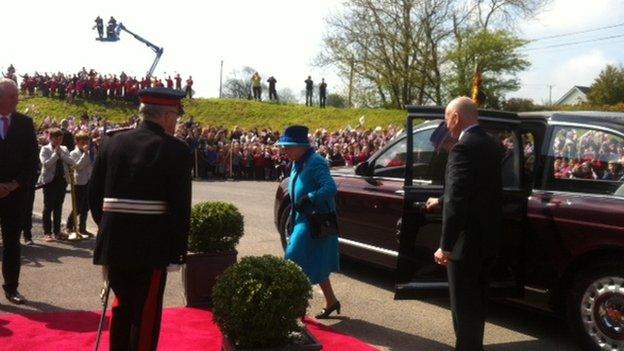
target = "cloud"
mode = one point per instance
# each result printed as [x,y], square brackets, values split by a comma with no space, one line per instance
[579,14]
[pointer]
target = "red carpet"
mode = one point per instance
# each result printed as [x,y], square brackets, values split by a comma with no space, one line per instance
[182,329]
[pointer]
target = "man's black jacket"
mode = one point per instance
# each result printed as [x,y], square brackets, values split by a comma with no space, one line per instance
[472,201]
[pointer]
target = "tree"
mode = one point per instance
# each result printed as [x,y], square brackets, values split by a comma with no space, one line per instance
[400,49]
[497,56]
[608,88]
[285,95]
[504,12]
[393,46]
[336,100]
[520,104]
[238,84]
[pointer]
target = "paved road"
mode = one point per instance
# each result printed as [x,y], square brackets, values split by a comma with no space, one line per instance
[60,276]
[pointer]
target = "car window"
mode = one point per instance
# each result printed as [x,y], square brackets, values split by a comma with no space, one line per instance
[585,160]
[391,163]
[430,156]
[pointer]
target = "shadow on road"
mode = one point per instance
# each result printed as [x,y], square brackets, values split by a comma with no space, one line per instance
[542,327]
[34,255]
[54,317]
[381,336]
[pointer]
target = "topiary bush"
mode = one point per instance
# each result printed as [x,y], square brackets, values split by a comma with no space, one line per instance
[257,301]
[215,227]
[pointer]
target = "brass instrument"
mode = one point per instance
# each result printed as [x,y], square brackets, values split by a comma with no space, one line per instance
[74,235]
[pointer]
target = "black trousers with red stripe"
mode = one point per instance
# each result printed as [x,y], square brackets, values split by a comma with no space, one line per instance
[137,307]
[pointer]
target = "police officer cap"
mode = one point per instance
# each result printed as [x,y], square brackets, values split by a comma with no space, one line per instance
[162,97]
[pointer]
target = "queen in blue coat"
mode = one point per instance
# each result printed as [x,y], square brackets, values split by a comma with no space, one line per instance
[312,189]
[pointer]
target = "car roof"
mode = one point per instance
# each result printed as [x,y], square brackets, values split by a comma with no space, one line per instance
[613,120]
[437,112]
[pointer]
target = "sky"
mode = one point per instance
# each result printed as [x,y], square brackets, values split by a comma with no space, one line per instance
[276,37]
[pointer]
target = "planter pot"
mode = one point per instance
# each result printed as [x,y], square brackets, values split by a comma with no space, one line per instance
[200,274]
[310,344]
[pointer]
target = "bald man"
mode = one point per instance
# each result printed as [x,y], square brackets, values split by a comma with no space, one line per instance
[18,164]
[472,220]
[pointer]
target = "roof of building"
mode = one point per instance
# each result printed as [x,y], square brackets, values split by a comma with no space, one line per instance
[582,89]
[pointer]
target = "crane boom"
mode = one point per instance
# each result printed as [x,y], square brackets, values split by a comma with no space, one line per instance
[156,49]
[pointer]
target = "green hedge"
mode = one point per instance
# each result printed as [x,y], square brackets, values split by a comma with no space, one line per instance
[257,302]
[215,227]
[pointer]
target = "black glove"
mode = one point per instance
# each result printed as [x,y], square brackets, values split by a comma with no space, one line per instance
[302,203]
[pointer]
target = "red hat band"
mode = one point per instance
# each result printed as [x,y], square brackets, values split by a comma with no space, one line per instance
[150,100]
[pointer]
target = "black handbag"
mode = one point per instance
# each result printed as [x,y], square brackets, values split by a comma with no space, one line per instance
[323,224]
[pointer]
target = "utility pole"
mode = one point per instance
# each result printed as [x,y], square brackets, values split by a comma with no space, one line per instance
[550,87]
[221,81]
[350,98]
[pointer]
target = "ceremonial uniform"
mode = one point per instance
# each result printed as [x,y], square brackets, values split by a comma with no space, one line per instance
[140,196]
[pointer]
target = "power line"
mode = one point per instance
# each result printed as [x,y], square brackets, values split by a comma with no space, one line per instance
[575,42]
[578,32]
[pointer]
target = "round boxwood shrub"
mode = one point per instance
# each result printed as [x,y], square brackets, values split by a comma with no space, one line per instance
[215,227]
[257,301]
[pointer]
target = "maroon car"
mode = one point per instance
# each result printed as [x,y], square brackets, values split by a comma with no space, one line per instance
[564,214]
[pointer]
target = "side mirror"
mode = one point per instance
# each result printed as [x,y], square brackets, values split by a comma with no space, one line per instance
[363,169]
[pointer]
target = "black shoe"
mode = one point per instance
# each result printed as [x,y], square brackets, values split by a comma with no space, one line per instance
[327,311]
[15,298]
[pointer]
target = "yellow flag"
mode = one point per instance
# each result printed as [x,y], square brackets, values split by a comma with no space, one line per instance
[476,87]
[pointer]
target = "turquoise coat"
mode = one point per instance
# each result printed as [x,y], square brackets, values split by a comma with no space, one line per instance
[317,257]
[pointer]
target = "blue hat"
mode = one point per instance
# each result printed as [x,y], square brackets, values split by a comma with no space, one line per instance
[439,135]
[295,136]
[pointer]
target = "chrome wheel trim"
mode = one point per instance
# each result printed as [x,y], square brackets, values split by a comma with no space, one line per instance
[602,313]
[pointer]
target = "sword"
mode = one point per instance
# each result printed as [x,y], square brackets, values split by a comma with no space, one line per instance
[104,297]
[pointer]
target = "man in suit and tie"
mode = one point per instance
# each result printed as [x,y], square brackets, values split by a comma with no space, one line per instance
[18,164]
[472,220]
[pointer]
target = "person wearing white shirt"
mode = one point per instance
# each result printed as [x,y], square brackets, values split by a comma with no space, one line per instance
[82,172]
[55,163]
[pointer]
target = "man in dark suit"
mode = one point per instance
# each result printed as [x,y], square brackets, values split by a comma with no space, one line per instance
[472,220]
[18,164]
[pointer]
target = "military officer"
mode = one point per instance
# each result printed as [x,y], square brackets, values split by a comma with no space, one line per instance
[140,195]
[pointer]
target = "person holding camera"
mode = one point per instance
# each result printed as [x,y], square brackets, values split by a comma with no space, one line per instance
[55,162]
[83,160]
[313,243]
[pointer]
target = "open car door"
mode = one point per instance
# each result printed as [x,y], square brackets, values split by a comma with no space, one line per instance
[418,276]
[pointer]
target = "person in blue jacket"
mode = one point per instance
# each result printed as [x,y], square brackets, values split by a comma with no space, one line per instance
[312,189]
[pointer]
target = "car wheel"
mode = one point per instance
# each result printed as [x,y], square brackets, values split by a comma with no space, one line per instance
[283,225]
[596,307]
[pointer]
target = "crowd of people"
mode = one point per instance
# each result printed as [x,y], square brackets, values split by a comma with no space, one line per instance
[92,85]
[583,154]
[219,153]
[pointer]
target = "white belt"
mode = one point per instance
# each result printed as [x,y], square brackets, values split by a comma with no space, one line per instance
[134,206]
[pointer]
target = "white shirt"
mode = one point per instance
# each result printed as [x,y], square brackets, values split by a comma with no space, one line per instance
[467,129]
[2,125]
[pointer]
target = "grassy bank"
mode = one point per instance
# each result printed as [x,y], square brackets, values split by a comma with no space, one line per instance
[225,112]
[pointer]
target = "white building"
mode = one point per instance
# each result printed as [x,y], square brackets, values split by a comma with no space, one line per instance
[577,95]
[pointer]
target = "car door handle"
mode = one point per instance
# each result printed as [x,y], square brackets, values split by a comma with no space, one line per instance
[557,203]
[418,204]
